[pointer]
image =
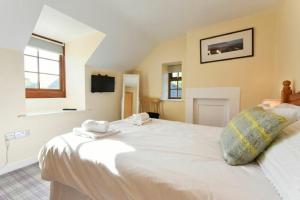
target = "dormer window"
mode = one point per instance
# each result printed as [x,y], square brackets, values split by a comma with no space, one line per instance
[44,66]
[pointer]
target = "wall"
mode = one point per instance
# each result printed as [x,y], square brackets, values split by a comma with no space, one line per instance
[78,52]
[104,106]
[288,50]
[255,76]
[151,74]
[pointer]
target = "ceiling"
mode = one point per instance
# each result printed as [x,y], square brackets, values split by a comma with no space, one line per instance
[56,25]
[132,27]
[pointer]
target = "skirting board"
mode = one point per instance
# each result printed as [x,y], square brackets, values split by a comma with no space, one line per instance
[17,165]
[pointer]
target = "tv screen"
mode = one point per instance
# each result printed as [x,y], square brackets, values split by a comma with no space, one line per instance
[103,83]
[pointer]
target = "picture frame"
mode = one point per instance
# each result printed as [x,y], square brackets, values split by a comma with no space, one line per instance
[228,46]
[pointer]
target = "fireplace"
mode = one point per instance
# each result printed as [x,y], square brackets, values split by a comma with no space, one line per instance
[212,106]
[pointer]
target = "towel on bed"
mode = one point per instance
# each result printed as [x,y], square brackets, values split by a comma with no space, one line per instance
[93,135]
[95,126]
[140,119]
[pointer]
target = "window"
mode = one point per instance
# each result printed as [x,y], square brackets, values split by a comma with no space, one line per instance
[175,85]
[44,68]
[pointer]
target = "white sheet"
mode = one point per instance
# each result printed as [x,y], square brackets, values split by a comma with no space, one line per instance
[158,161]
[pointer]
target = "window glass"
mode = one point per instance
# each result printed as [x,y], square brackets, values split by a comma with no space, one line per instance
[179,84]
[31,80]
[49,66]
[173,85]
[30,51]
[49,81]
[173,93]
[179,93]
[175,74]
[49,55]
[44,69]
[31,64]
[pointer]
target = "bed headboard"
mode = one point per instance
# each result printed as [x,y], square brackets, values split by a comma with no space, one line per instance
[287,95]
[149,104]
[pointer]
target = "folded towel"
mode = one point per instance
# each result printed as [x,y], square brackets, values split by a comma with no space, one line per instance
[95,126]
[140,122]
[141,116]
[81,132]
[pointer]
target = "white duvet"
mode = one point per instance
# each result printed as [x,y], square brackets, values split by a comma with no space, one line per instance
[161,160]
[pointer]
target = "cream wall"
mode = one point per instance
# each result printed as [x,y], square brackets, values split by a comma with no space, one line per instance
[288,44]
[151,74]
[105,106]
[255,75]
[78,52]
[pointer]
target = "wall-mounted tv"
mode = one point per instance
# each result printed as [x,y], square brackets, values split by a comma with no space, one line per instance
[103,83]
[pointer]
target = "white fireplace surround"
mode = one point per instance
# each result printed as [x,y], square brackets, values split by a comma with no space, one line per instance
[227,99]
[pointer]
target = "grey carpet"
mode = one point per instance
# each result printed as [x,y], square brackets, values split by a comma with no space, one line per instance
[24,184]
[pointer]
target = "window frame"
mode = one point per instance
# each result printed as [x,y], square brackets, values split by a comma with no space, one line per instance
[177,79]
[50,93]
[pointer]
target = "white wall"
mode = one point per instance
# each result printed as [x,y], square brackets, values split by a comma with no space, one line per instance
[104,106]
[78,53]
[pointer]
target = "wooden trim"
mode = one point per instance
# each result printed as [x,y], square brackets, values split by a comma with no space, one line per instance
[252,53]
[46,38]
[48,93]
[44,93]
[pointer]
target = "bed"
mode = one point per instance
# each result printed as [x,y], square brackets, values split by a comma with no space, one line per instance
[160,160]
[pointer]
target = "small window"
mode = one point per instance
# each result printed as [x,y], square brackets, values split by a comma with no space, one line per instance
[44,68]
[175,85]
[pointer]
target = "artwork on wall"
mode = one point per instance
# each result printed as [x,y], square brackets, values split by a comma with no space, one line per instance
[238,44]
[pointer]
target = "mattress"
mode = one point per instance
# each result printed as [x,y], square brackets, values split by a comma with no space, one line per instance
[160,160]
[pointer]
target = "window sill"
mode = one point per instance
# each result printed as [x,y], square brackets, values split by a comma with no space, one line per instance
[173,100]
[34,114]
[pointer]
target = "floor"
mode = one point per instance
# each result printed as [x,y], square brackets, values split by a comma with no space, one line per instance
[24,184]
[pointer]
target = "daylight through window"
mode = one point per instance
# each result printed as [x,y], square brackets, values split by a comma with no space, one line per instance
[44,69]
[175,85]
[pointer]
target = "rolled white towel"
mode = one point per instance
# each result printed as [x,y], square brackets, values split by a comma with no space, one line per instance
[141,116]
[140,122]
[95,126]
[81,132]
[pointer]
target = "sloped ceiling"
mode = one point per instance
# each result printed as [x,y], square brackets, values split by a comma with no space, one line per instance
[56,25]
[132,27]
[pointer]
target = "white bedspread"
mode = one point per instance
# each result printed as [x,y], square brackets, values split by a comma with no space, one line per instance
[161,160]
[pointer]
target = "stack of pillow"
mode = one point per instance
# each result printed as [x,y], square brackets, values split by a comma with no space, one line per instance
[248,136]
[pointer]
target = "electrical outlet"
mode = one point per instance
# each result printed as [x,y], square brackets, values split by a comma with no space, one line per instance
[21,134]
[16,135]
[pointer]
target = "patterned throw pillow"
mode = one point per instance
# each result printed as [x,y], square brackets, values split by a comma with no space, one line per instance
[249,134]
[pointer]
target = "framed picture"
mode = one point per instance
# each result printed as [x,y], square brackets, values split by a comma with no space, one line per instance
[238,44]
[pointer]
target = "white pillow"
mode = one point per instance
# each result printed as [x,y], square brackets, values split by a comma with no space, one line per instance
[281,163]
[291,114]
[290,106]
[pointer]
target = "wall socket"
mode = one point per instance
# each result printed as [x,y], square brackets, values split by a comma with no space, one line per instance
[17,135]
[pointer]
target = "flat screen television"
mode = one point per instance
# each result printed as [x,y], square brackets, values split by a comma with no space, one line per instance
[103,83]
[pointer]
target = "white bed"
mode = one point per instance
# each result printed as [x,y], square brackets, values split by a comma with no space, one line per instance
[158,161]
